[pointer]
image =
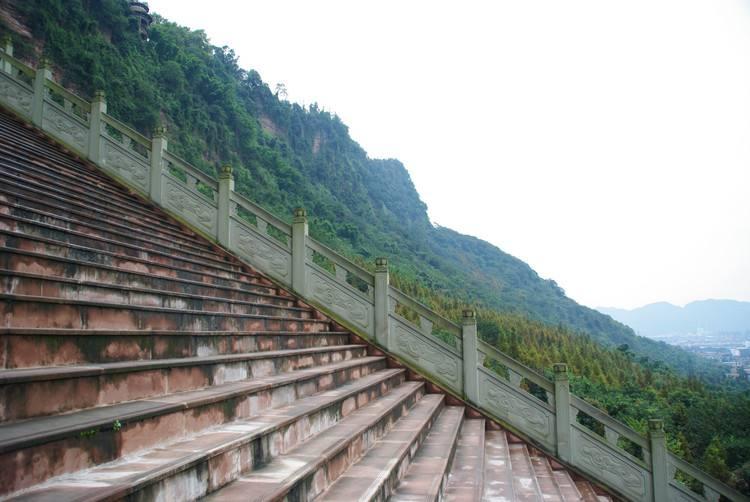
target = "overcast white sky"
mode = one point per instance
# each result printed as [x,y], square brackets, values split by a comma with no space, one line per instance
[605,143]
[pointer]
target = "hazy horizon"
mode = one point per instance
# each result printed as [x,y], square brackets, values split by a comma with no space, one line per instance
[607,145]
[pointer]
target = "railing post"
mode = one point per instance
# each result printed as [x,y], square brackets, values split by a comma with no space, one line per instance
[382,283]
[226,186]
[299,250]
[43,73]
[470,359]
[658,445]
[8,49]
[158,147]
[562,411]
[98,108]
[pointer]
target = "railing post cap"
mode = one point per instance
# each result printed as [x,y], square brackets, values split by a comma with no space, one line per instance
[560,368]
[300,215]
[100,95]
[44,63]
[7,40]
[469,316]
[160,131]
[226,172]
[381,264]
[655,425]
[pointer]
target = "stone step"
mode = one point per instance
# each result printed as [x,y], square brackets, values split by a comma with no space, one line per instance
[376,474]
[588,494]
[567,486]
[23,348]
[33,192]
[46,312]
[142,213]
[33,451]
[42,232]
[14,283]
[70,388]
[427,476]
[82,269]
[498,471]
[146,238]
[194,467]
[304,473]
[525,484]
[544,476]
[466,479]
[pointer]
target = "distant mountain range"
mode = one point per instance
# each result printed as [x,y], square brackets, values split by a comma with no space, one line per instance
[728,316]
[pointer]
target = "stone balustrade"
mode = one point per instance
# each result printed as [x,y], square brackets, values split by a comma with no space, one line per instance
[451,355]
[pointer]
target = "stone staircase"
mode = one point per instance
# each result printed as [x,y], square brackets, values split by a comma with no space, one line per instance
[142,362]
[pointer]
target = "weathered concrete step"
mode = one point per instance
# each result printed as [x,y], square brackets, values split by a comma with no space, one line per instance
[544,476]
[466,478]
[69,388]
[23,348]
[498,471]
[148,239]
[303,474]
[141,214]
[33,451]
[376,474]
[36,230]
[23,261]
[189,469]
[45,312]
[588,494]
[567,486]
[427,476]
[525,484]
[14,283]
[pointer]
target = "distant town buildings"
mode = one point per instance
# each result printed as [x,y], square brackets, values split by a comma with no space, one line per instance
[140,11]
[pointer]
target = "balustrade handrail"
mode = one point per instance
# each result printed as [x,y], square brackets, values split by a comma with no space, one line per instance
[516,366]
[458,369]
[422,309]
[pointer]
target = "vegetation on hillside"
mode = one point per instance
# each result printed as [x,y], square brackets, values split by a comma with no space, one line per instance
[286,155]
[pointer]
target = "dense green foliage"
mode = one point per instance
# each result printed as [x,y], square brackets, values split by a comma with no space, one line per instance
[286,156]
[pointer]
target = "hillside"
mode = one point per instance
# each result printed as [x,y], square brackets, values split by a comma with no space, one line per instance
[715,316]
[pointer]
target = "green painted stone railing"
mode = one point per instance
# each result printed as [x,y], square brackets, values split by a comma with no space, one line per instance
[540,410]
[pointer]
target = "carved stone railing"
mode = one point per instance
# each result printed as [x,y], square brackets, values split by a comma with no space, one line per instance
[542,411]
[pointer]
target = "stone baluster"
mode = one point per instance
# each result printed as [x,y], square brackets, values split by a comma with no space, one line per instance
[562,411]
[8,49]
[382,284]
[226,187]
[98,108]
[43,73]
[299,250]
[158,147]
[658,444]
[470,358]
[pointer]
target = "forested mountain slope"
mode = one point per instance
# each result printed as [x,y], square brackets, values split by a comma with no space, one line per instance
[286,156]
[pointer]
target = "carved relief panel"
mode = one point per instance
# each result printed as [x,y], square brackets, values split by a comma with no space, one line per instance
[341,301]
[67,129]
[16,96]
[266,257]
[190,206]
[427,354]
[125,165]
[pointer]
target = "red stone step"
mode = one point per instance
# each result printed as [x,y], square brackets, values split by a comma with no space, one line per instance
[139,261]
[498,470]
[33,451]
[45,312]
[35,211]
[35,230]
[194,467]
[427,476]
[376,474]
[467,473]
[303,473]
[567,486]
[23,284]
[23,348]
[545,478]
[141,213]
[21,261]
[68,388]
